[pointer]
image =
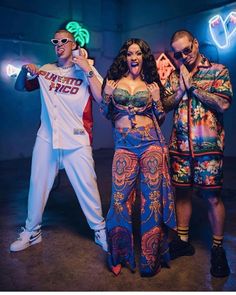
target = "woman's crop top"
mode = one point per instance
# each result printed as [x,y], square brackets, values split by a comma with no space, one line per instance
[123,103]
[126,104]
[124,98]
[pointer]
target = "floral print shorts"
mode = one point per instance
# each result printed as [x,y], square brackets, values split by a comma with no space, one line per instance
[204,172]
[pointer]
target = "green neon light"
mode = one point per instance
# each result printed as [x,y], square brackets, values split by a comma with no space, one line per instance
[81,35]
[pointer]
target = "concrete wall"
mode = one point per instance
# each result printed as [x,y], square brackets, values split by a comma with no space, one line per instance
[27,26]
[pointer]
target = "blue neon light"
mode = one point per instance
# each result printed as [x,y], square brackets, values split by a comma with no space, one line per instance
[221,30]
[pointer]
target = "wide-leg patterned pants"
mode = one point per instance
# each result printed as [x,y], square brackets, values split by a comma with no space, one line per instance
[79,167]
[138,152]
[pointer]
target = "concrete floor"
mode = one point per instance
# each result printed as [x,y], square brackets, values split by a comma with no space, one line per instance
[68,259]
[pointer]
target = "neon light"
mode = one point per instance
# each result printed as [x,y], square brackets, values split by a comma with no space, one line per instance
[218,31]
[223,30]
[230,23]
[81,35]
[12,71]
[164,67]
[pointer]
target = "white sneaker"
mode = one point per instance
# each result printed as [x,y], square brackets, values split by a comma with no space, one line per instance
[26,239]
[101,238]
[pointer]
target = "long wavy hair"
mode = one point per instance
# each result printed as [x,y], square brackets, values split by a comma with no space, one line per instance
[119,67]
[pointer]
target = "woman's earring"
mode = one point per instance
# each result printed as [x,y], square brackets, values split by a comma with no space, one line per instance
[142,76]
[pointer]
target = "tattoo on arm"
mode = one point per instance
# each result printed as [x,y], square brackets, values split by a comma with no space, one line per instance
[171,101]
[212,100]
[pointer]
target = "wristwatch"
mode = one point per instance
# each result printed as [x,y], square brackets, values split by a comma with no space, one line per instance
[90,74]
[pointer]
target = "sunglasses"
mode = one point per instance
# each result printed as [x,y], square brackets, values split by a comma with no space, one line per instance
[185,51]
[62,41]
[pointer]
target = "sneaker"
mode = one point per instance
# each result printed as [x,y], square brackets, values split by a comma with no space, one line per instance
[101,238]
[178,248]
[26,239]
[219,263]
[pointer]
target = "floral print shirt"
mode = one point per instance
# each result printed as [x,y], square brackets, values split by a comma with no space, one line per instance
[197,128]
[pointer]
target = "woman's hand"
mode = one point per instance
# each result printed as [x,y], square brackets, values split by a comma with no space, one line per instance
[154,90]
[110,87]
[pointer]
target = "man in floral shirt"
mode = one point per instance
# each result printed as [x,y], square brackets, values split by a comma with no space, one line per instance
[199,93]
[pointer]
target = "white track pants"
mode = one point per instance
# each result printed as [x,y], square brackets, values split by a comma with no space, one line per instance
[79,167]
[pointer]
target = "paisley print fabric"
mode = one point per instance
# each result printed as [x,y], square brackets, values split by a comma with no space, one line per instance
[139,156]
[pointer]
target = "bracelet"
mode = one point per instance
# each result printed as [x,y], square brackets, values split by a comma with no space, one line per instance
[107,98]
[157,105]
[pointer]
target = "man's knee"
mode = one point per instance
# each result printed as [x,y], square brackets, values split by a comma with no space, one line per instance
[213,198]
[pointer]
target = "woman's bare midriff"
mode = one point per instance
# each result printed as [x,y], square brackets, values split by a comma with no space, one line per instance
[140,121]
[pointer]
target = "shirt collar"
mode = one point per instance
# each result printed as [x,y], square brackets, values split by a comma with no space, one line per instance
[204,62]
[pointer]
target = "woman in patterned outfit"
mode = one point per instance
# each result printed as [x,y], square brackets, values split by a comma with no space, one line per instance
[131,99]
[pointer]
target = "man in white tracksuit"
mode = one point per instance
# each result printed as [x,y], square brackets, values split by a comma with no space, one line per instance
[64,137]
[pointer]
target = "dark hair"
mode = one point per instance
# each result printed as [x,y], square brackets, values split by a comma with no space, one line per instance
[66,32]
[119,67]
[179,34]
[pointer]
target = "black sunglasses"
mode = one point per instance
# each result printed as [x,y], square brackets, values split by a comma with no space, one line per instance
[62,41]
[185,51]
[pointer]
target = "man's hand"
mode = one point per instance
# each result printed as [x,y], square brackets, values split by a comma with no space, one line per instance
[185,78]
[31,68]
[82,61]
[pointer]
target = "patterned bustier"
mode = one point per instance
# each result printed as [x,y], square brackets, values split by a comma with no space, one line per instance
[126,104]
[124,98]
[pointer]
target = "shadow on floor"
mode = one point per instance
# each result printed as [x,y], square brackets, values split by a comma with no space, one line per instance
[68,259]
